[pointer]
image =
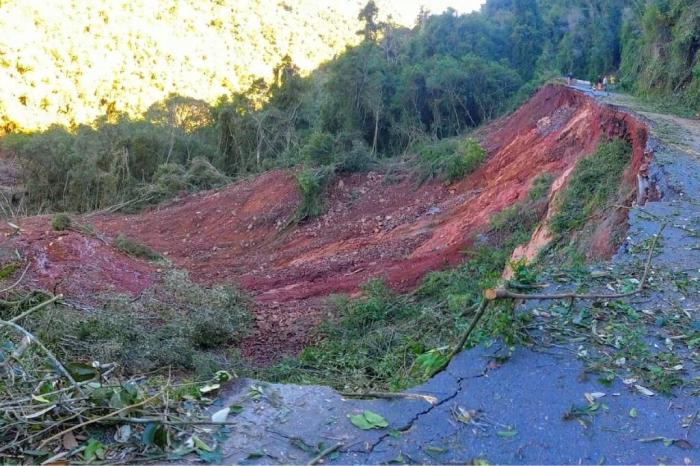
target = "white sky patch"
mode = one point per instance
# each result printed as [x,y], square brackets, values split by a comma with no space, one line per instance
[406,11]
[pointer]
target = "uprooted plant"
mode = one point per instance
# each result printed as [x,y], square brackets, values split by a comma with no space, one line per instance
[112,386]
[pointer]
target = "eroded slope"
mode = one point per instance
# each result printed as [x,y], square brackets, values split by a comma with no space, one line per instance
[376,225]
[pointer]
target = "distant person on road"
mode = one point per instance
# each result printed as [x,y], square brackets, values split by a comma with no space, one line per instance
[605,84]
[569,78]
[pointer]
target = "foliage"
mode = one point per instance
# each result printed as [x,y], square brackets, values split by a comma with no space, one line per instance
[133,248]
[450,159]
[178,324]
[61,222]
[312,184]
[592,186]
[661,51]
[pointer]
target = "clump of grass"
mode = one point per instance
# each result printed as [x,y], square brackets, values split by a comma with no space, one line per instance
[61,222]
[133,248]
[312,183]
[7,270]
[593,185]
[450,159]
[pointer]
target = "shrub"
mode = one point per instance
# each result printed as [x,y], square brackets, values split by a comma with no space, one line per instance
[593,184]
[319,149]
[201,174]
[178,324]
[61,222]
[313,183]
[133,248]
[356,159]
[450,159]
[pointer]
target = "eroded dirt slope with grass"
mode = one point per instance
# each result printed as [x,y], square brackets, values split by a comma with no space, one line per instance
[377,224]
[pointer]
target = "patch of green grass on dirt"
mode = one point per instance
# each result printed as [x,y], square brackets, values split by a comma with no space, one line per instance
[386,340]
[134,248]
[592,186]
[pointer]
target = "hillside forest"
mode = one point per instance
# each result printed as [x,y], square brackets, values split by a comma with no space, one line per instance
[256,98]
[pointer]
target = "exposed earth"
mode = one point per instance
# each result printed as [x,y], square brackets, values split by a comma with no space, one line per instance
[376,225]
[541,404]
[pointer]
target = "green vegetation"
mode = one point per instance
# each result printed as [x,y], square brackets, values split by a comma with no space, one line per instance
[398,91]
[660,53]
[450,159]
[312,184]
[133,248]
[178,324]
[61,222]
[387,340]
[592,186]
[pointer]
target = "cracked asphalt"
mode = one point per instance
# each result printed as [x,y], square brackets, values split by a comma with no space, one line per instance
[515,411]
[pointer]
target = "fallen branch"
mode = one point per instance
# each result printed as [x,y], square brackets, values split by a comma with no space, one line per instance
[501,292]
[97,419]
[390,395]
[49,354]
[36,308]
[324,453]
[19,280]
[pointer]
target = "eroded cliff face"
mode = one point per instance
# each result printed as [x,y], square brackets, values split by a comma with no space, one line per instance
[375,225]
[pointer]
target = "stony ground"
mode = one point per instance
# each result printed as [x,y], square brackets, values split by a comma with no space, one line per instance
[608,382]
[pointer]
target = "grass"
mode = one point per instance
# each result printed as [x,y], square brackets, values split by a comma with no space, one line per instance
[133,248]
[450,159]
[385,340]
[592,186]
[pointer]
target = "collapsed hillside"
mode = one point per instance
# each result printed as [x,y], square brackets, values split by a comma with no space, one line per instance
[376,224]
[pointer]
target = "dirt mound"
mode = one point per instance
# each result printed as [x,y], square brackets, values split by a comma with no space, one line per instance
[375,226]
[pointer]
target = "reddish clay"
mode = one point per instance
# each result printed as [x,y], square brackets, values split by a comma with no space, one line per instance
[373,227]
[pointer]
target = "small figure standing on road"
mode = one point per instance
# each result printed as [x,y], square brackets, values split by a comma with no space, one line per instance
[605,84]
[569,78]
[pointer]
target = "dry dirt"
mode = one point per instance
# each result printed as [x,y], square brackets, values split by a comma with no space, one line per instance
[375,226]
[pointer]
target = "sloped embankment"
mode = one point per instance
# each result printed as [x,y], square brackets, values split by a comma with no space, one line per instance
[376,225]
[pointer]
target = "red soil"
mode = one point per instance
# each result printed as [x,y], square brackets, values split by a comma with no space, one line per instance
[374,226]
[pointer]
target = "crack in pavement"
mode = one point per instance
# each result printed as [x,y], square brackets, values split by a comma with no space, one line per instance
[418,415]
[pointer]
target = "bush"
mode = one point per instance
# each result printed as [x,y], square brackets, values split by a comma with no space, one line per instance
[319,149]
[313,183]
[131,247]
[179,325]
[592,186]
[61,222]
[450,159]
[357,159]
[201,174]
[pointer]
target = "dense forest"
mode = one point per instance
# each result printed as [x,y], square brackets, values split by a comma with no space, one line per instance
[393,90]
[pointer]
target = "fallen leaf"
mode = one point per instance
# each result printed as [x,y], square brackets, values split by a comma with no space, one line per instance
[220,415]
[123,433]
[368,420]
[68,440]
[643,390]
[507,433]
[633,412]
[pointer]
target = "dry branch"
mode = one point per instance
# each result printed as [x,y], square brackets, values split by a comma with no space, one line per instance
[502,292]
